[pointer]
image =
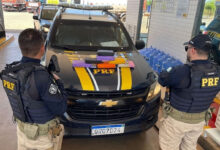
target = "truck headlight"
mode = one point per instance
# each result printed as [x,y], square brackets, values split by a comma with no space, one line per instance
[154,90]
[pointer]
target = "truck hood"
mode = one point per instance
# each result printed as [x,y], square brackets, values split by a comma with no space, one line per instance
[94,79]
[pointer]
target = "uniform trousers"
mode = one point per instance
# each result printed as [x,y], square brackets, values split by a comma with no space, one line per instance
[43,142]
[177,135]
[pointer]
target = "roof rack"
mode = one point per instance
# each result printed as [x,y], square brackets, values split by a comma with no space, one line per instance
[85,7]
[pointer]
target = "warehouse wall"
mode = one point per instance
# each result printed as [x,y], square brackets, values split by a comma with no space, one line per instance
[172,24]
[132,17]
[2,26]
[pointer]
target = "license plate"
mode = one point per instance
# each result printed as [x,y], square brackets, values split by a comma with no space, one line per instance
[107,129]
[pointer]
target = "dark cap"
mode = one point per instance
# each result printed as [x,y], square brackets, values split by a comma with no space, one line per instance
[201,41]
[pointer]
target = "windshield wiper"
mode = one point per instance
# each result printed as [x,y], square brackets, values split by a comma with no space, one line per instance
[93,48]
[67,47]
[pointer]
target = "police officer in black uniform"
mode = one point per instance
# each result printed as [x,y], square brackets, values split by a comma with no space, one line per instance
[193,87]
[36,96]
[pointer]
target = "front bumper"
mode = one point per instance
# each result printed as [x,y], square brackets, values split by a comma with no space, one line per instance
[144,121]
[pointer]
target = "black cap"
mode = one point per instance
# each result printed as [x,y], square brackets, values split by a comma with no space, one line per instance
[201,41]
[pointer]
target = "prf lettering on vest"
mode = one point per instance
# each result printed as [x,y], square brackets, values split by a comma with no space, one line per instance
[103,71]
[8,85]
[209,82]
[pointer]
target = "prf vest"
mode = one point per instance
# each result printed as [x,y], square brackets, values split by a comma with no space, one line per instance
[19,84]
[202,90]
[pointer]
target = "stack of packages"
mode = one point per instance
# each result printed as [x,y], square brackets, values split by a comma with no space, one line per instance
[104,59]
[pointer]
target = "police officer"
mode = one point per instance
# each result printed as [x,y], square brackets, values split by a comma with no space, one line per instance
[36,96]
[193,87]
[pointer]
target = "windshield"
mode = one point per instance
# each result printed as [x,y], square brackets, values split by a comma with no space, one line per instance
[48,14]
[215,25]
[78,34]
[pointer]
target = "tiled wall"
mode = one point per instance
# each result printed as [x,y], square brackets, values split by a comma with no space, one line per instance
[168,30]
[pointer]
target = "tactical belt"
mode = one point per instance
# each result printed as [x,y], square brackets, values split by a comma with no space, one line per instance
[191,118]
[43,129]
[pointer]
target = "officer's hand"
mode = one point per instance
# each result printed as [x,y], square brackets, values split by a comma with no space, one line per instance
[56,77]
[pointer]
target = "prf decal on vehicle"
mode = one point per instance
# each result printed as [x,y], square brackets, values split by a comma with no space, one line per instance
[8,85]
[209,82]
[103,71]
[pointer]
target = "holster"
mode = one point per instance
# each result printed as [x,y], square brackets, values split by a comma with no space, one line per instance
[166,108]
[208,115]
[56,136]
[55,131]
[33,130]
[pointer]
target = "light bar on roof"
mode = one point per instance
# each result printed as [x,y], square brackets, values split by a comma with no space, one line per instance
[85,7]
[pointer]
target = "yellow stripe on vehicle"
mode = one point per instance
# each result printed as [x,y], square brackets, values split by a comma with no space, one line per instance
[71,60]
[126,79]
[72,57]
[218,35]
[2,40]
[52,1]
[56,2]
[213,34]
[71,52]
[85,79]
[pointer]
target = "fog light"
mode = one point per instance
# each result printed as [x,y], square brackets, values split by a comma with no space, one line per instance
[139,100]
[69,102]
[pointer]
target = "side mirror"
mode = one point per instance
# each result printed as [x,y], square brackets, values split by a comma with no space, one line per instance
[35,17]
[140,44]
[46,28]
[53,65]
[46,25]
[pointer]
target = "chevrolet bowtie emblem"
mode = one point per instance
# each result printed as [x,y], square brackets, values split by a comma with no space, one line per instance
[108,103]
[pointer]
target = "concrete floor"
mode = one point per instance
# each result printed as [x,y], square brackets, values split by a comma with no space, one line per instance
[8,54]
[141,141]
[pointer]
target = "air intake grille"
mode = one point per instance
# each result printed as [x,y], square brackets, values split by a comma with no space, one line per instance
[103,113]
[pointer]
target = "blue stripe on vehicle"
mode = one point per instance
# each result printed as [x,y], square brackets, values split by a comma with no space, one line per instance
[108,126]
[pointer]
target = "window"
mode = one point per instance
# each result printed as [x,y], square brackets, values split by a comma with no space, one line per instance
[48,14]
[90,34]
